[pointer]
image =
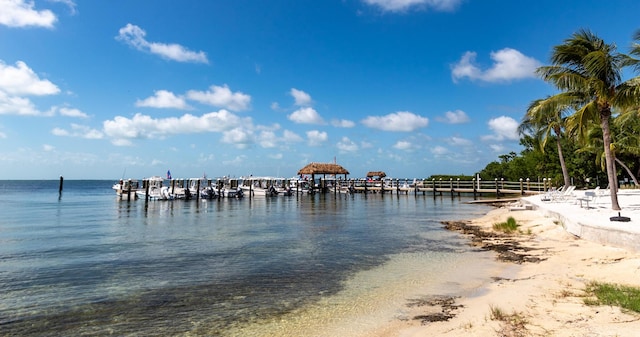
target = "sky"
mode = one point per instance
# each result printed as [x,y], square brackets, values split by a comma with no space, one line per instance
[114,89]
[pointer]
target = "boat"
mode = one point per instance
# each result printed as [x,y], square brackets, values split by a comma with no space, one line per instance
[261,186]
[229,188]
[155,188]
[126,189]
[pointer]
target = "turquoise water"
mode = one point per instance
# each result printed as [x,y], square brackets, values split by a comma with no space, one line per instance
[84,262]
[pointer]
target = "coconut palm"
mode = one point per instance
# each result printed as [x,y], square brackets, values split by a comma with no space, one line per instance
[543,118]
[588,71]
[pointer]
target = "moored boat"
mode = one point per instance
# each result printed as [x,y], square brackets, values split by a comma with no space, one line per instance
[126,189]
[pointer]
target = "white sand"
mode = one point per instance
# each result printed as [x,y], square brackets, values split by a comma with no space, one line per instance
[548,296]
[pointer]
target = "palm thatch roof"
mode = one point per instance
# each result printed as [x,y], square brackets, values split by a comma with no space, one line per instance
[323,168]
[372,174]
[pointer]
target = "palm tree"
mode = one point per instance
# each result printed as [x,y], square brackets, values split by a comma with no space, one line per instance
[588,71]
[541,119]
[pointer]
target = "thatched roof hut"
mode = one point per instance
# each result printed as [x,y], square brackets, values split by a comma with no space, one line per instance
[323,168]
[379,174]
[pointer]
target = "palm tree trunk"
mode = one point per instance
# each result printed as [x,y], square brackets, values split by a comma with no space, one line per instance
[608,155]
[626,168]
[563,165]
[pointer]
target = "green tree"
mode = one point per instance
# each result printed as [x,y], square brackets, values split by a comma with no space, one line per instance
[588,71]
[545,118]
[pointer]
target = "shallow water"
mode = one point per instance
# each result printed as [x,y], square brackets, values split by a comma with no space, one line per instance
[86,263]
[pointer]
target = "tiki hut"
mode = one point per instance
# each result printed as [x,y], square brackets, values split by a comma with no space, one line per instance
[324,169]
[379,174]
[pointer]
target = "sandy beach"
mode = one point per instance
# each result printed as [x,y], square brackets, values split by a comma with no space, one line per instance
[545,294]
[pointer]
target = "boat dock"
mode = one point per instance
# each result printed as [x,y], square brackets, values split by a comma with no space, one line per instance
[202,188]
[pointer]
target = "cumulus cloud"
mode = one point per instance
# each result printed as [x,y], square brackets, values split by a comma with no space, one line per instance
[454,117]
[346,145]
[22,80]
[402,121]
[439,150]
[164,99]
[240,137]
[508,64]
[403,145]
[122,129]
[342,123]
[316,138]
[300,97]
[459,141]
[71,112]
[504,128]
[134,36]
[291,137]
[21,13]
[79,131]
[402,5]
[19,81]
[306,115]
[222,97]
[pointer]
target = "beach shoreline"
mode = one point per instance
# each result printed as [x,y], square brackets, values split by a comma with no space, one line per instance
[544,295]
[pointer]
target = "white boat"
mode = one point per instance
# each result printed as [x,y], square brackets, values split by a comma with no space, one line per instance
[229,188]
[260,186]
[156,189]
[126,189]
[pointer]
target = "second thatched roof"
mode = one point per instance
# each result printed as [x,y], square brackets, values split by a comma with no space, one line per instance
[372,174]
[323,168]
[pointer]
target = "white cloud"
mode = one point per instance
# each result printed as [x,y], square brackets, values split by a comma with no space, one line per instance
[342,123]
[48,148]
[79,131]
[403,121]
[454,117]
[240,137]
[268,139]
[237,161]
[300,97]
[347,145]
[458,141]
[221,96]
[291,137]
[21,13]
[306,115]
[503,127]
[439,150]
[508,64]
[164,99]
[122,130]
[402,5]
[13,105]
[71,112]
[135,37]
[403,145]
[316,138]
[21,80]
[69,3]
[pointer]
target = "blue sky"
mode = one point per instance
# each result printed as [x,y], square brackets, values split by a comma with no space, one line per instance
[125,88]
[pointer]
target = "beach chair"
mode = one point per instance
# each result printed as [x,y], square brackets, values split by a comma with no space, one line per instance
[565,195]
[552,193]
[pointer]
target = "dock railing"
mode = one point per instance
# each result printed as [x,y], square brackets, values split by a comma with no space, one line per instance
[440,186]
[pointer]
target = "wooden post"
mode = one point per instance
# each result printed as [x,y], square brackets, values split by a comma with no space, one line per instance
[473,182]
[60,187]
[146,191]
[521,187]
[497,189]
[433,184]
[129,191]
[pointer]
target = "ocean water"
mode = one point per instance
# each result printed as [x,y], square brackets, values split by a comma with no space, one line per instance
[85,263]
